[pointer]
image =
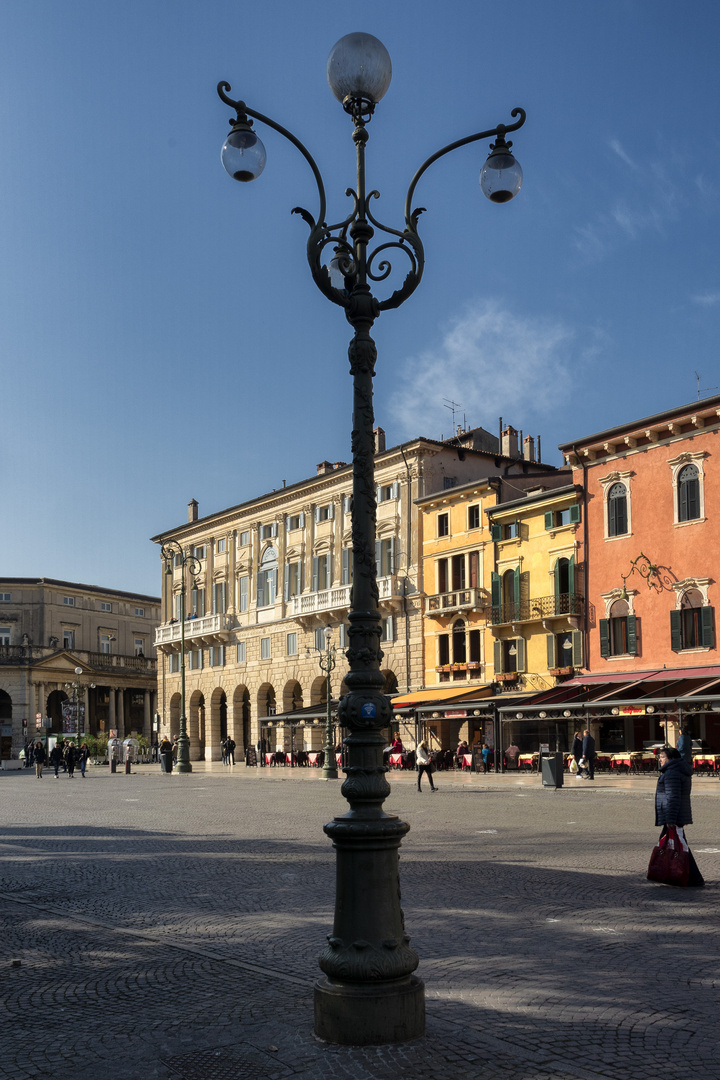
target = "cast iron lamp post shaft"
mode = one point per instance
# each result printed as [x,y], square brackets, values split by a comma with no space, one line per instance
[369,993]
[327,663]
[173,554]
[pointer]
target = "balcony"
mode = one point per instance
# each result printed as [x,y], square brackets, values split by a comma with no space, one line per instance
[459,600]
[206,630]
[308,607]
[30,654]
[538,609]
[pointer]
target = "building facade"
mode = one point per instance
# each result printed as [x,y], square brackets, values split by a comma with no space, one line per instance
[275,571]
[49,629]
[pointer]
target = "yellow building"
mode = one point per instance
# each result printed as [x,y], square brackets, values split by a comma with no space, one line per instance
[537,592]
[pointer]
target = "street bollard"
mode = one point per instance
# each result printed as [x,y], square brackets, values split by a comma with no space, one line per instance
[113,765]
[127,767]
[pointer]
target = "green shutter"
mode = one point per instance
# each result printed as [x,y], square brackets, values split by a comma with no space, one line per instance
[575,514]
[497,657]
[571,580]
[495,590]
[520,658]
[549,519]
[516,592]
[706,626]
[605,638]
[550,642]
[632,635]
[556,576]
[676,630]
[577,649]
[496,532]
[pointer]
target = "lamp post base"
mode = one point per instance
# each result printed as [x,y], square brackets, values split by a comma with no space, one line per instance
[369,1015]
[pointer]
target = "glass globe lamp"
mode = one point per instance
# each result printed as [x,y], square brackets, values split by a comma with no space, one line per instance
[243,155]
[501,176]
[359,67]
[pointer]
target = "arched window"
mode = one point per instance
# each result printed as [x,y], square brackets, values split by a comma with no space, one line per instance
[458,639]
[618,633]
[617,510]
[267,577]
[688,483]
[691,627]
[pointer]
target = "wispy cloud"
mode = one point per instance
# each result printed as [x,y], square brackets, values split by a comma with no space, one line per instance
[708,299]
[493,362]
[615,145]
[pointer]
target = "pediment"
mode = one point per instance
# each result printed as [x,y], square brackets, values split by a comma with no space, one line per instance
[62,663]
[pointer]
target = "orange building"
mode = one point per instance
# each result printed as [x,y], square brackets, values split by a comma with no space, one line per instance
[651,548]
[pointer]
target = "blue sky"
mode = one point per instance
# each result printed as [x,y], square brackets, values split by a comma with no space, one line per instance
[161,338]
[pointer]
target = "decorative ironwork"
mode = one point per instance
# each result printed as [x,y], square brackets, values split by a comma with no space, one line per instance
[657,577]
[172,555]
[541,607]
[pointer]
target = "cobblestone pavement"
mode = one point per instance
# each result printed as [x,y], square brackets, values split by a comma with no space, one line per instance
[168,927]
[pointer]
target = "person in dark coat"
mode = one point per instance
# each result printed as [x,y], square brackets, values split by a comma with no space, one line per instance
[672,799]
[577,750]
[70,759]
[588,752]
[56,756]
[685,744]
[38,755]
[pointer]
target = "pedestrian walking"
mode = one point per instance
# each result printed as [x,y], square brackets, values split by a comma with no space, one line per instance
[486,752]
[672,801]
[84,755]
[56,756]
[175,749]
[577,750]
[424,765]
[70,759]
[230,751]
[38,754]
[223,751]
[685,744]
[588,752]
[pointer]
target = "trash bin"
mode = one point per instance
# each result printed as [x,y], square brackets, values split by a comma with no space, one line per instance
[552,770]
[166,762]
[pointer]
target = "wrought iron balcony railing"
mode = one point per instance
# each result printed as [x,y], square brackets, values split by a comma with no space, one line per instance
[541,607]
[457,600]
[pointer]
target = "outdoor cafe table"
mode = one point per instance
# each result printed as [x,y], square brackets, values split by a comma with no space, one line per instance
[528,760]
[313,756]
[707,761]
[396,761]
[467,761]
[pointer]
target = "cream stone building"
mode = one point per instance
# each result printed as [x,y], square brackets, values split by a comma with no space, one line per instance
[275,571]
[49,629]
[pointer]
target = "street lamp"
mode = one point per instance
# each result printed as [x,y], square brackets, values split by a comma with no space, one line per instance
[369,993]
[78,690]
[327,663]
[172,554]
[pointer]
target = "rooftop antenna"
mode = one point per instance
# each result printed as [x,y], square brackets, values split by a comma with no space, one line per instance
[452,406]
[705,389]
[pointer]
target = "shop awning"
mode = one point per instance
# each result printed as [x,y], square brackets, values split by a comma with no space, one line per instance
[438,695]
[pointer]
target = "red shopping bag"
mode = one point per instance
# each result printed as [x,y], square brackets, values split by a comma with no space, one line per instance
[670,860]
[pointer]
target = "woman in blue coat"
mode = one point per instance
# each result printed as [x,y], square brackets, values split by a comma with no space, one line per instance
[672,799]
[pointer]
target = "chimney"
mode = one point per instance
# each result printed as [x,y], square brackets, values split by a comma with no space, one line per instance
[379,440]
[324,467]
[509,443]
[529,448]
[193,510]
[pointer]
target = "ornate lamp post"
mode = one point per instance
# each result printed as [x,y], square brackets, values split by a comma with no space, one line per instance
[172,554]
[78,690]
[327,662]
[369,993]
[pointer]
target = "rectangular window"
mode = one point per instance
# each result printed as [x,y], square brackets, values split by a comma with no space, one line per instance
[69,601]
[174,663]
[104,606]
[388,629]
[347,566]
[199,551]
[449,482]
[474,569]
[105,641]
[295,521]
[267,532]
[5,635]
[178,607]
[244,538]
[266,587]
[243,593]
[221,545]
[386,492]
[320,639]
[323,513]
[385,557]
[443,649]
[458,571]
[197,602]
[322,572]
[216,656]
[265,648]
[347,504]
[195,657]
[292,644]
[443,525]
[241,652]
[293,580]
[219,598]
[140,612]
[4,597]
[473,517]
[139,645]
[343,640]
[442,575]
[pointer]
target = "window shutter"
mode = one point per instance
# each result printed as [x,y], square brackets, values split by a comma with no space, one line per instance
[556,577]
[496,532]
[316,513]
[396,490]
[261,589]
[676,630]
[516,592]
[575,514]
[632,635]
[605,638]
[550,642]
[549,516]
[346,566]
[331,569]
[393,548]
[706,626]
[378,557]
[331,511]
[495,590]
[274,529]
[286,586]
[301,522]
[377,493]
[390,631]
[578,659]
[315,573]
[520,658]
[497,656]
[571,579]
